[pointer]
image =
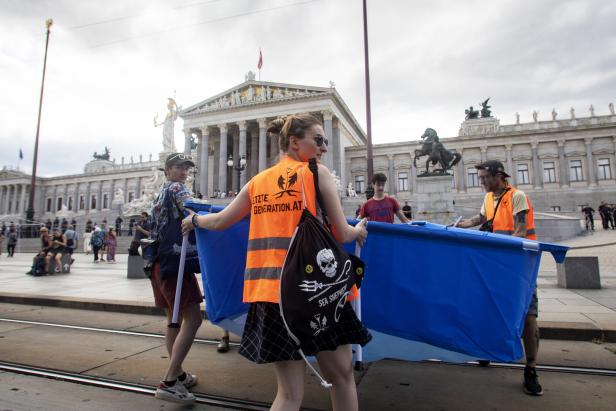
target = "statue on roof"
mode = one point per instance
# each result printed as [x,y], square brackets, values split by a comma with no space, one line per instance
[485,109]
[250,76]
[105,156]
[168,126]
[471,113]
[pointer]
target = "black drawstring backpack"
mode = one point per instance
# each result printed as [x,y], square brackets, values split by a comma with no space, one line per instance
[317,276]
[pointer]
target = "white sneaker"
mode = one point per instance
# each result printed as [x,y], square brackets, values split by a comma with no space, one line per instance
[176,393]
[190,381]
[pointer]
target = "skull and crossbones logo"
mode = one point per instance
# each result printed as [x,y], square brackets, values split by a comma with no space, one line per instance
[327,262]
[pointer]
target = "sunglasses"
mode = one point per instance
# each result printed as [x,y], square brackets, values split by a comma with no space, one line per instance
[181,157]
[320,140]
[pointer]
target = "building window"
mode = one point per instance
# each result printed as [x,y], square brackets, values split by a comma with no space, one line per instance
[59,204]
[605,171]
[523,176]
[549,172]
[575,170]
[403,181]
[105,200]
[70,204]
[131,196]
[360,184]
[82,203]
[93,202]
[473,178]
[48,208]
[555,208]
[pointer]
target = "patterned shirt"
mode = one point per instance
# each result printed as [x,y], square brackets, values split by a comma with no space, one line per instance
[160,214]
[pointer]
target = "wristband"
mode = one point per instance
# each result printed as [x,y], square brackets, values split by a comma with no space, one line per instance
[194,221]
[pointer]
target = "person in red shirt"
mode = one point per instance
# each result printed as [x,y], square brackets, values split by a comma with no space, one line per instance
[381,207]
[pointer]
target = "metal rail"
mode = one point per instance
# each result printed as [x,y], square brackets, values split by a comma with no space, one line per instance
[213,400]
[549,368]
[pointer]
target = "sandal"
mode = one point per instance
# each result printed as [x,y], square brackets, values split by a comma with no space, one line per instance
[223,345]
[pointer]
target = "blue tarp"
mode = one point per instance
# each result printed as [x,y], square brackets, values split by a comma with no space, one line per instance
[429,291]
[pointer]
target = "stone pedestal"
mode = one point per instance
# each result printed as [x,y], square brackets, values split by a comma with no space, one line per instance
[135,267]
[579,273]
[434,199]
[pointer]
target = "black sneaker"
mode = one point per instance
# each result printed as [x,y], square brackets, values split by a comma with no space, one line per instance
[531,382]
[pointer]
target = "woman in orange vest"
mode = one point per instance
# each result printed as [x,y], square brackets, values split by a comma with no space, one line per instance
[275,199]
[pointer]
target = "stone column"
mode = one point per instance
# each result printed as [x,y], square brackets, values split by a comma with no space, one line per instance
[205,161]
[484,153]
[2,199]
[254,153]
[54,203]
[241,153]
[22,201]
[99,200]
[187,135]
[413,182]
[76,198]
[125,188]
[111,195]
[65,195]
[262,144]
[222,156]
[138,188]
[328,116]
[509,158]
[216,163]
[87,199]
[334,147]
[233,173]
[392,175]
[537,172]
[592,167]
[274,150]
[562,165]
[461,174]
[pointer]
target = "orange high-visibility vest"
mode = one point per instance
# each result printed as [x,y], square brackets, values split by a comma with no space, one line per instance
[503,221]
[276,207]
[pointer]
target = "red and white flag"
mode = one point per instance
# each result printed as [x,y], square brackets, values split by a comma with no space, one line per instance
[260,63]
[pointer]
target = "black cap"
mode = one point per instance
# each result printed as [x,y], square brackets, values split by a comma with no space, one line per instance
[176,159]
[493,167]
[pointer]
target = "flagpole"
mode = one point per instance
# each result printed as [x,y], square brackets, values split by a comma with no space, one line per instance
[368,114]
[30,211]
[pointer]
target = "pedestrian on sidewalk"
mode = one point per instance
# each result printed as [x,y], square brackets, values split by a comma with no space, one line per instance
[1,240]
[381,207]
[87,241]
[588,212]
[98,238]
[11,241]
[167,213]
[265,338]
[112,242]
[507,210]
[71,241]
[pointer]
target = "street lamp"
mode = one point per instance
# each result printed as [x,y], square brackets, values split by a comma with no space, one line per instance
[239,168]
[30,210]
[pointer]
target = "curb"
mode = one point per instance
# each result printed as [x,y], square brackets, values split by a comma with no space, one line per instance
[549,330]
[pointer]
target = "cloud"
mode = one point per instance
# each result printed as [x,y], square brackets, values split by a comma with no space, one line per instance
[429,61]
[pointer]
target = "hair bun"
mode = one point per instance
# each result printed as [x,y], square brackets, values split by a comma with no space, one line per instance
[275,126]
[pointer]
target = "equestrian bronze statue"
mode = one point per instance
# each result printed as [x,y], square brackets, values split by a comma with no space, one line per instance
[437,154]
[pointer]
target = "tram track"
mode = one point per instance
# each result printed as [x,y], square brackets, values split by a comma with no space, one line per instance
[100,382]
[548,368]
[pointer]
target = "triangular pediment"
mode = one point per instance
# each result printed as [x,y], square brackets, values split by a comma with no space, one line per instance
[252,92]
[6,174]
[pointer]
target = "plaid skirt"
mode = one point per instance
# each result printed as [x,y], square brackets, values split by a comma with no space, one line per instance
[266,339]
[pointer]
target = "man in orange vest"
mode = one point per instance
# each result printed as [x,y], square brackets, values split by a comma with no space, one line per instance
[507,210]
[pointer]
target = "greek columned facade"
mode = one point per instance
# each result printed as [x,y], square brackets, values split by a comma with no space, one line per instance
[233,125]
[95,194]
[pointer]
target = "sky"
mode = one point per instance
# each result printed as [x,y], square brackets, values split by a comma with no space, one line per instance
[111,65]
